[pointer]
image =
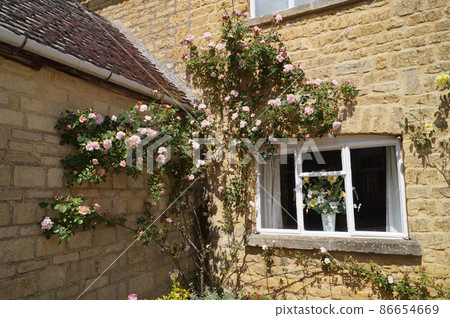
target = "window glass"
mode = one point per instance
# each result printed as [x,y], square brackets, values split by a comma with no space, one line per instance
[324,199]
[277,194]
[375,189]
[322,161]
[263,7]
[299,2]
[287,187]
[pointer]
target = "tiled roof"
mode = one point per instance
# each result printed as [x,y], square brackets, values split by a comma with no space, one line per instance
[65,26]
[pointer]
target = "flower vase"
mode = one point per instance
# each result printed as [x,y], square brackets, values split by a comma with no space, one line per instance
[328,221]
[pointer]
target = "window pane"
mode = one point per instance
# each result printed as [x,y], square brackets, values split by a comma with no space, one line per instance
[263,7]
[287,177]
[323,197]
[277,194]
[322,161]
[299,2]
[375,189]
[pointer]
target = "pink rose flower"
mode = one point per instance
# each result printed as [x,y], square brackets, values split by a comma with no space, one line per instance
[122,163]
[147,118]
[113,118]
[257,122]
[220,47]
[334,82]
[95,161]
[226,99]
[92,145]
[132,297]
[107,144]
[82,119]
[83,210]
[189,39]
[288,67]
[205,123]
[256,29]
[201,106]
[274,102]
[242,124]
[161,158]
[46,223]
[213,74]
[169,220]
[245,109]
[309,110]
[101,172]
[162,150]
[336,125]
[143,108]
[277,17]
[234,93]
[220,189]
[96,206]
[99,119]
[207,35]
[133,141]
[234,116]
[142,130]
[199,163]
[273,139]
[120,134]
[151,132]
[317,81]
[262,42]
[190,177]
[280,58]
[290,98]
[92,116]
[221,76]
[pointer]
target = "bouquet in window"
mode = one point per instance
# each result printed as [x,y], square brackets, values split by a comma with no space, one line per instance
[324,194]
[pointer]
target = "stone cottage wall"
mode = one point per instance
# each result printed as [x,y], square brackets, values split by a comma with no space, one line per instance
[391,49]
[30,171]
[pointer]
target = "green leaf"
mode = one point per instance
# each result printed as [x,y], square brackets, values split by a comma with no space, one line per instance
[43,204]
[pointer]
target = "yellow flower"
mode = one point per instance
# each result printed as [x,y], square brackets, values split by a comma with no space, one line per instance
[442,79]
[342,195]
[428,128]
[332,179]
[306,179]
[312,203]
[304,205]
[329,192]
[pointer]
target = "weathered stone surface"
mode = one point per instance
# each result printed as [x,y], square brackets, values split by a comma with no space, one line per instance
[29,177]
[18,288]
[18,249]
[25,212]
[413,85]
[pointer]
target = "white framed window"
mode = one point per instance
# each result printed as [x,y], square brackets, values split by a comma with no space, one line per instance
[358,179]
[262,7]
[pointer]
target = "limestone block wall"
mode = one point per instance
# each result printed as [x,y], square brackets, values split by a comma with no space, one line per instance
[391,49]
[30,171]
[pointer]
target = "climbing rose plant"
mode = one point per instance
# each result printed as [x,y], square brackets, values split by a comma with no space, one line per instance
[252,94]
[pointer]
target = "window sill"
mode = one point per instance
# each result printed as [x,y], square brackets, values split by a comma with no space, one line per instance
[339,244]
[299,10]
